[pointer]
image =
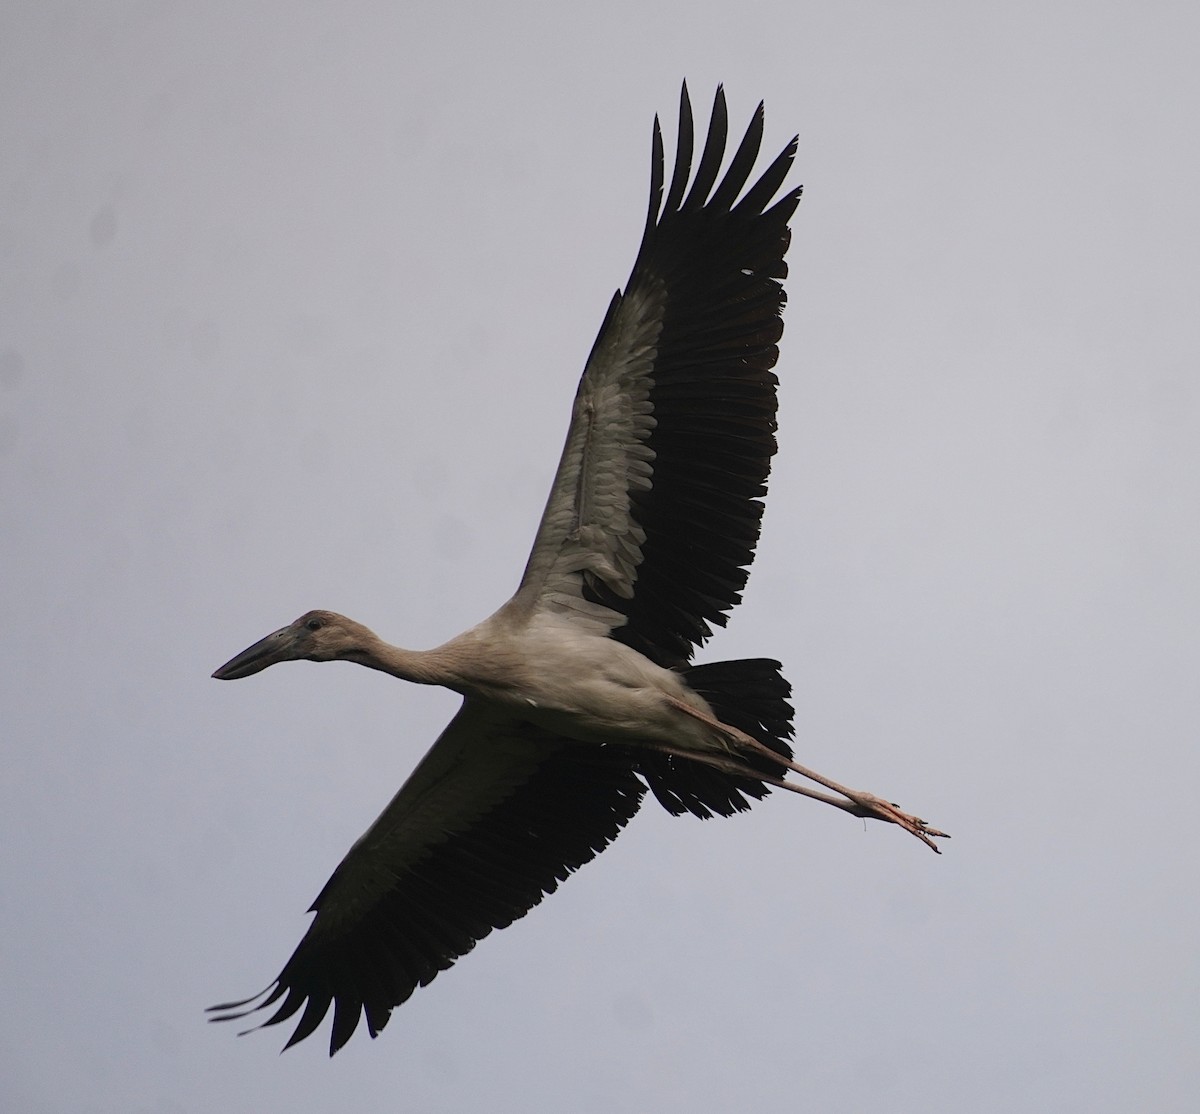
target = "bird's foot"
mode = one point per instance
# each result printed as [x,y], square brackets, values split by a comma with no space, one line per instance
[876,808]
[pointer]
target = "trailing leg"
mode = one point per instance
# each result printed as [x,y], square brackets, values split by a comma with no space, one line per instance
[855,801]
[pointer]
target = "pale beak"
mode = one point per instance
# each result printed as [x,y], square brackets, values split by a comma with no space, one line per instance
[274,648]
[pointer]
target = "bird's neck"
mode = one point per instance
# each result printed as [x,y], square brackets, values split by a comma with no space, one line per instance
[424,667]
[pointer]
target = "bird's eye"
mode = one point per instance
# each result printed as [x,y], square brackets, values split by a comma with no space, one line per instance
[313,624]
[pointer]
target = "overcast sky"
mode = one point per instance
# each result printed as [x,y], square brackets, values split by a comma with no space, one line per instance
[293,301]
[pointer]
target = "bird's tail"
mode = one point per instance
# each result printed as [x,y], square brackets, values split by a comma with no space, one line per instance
[750,694]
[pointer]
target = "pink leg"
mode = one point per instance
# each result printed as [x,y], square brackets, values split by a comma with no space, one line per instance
[854,801]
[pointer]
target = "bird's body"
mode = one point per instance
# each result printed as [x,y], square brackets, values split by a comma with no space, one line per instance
[611,694]
[580,692]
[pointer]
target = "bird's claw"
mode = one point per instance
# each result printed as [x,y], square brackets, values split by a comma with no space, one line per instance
[878,809]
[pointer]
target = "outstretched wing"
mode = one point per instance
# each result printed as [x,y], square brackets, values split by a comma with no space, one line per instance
[655,510]
[494,817]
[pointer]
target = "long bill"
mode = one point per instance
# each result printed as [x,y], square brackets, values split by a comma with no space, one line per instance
[267,651]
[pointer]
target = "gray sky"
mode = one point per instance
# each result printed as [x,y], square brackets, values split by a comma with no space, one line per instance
[293,300]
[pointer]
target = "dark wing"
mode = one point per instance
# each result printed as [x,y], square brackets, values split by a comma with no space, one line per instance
[655,510]
[494,817]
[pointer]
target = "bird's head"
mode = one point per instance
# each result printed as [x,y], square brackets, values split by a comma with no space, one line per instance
[315,636]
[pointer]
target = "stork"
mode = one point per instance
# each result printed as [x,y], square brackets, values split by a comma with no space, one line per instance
[580,693]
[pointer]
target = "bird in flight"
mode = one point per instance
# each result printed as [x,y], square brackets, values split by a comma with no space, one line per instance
[579,693]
